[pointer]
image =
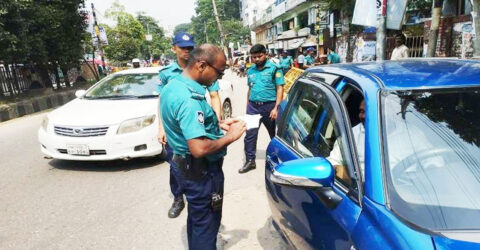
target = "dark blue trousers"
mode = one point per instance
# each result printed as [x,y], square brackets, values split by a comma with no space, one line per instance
[176,177]
[203,222]
[264,110]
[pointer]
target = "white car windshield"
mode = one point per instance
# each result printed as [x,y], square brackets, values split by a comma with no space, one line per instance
[125,86]
[433,157]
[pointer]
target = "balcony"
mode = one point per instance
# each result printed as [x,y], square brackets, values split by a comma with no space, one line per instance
[278,10]
[290,4]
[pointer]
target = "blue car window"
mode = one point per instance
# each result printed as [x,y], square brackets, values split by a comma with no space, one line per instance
[433,157]
[312,129]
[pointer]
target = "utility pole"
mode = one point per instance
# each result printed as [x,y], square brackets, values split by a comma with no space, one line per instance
[99,43]
[222,37]
[381,33]
[476,24]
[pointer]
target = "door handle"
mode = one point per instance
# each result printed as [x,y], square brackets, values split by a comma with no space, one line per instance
[273,159]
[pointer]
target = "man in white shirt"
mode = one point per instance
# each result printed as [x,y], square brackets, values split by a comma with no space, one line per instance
[400,51]
[336,158]
[300,60]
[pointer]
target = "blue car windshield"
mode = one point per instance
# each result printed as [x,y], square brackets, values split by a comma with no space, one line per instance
[432,155]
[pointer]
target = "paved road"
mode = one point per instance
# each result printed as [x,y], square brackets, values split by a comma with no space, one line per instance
[52,204]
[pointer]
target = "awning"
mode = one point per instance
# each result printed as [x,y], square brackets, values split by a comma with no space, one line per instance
[309,43]
[295,43]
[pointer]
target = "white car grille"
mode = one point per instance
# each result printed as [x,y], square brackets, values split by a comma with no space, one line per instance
[81,131]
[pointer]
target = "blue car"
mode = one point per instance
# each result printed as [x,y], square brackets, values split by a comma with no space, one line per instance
[379,155]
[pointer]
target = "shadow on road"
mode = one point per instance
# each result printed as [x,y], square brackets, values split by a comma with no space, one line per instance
[270,238]
[105,166]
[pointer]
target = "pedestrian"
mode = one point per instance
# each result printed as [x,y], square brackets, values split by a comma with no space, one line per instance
[183,43]
[300,59]
[265,82]
[198,144]
[285,62]
[136,63]
[332,57]
[400,51]
[310,58]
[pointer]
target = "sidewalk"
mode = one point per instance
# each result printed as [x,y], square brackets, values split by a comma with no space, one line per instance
[35,104]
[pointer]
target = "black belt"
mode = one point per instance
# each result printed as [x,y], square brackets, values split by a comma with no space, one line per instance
[261,103]
[193,168]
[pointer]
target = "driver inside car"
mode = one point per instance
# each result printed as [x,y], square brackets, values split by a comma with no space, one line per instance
[336,158]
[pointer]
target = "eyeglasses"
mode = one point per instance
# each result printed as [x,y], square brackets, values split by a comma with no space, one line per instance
[220,73]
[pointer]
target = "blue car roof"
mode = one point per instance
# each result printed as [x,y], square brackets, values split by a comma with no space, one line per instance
[415,73]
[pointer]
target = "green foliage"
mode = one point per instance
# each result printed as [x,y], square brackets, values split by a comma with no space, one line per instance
[159,43]
[204,26]
[125,38]
[42,32]
[183,27]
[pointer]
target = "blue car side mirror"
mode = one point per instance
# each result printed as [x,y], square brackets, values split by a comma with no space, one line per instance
[304,173]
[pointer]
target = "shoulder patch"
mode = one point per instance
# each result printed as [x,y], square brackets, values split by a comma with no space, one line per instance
[200,117]
[278,74]
[196,95]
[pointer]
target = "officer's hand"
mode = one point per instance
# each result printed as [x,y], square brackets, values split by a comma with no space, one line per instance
[162,137]
[237,129]
[225,124]
[273,113]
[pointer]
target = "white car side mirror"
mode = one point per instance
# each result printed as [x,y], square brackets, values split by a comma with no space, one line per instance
[80,93]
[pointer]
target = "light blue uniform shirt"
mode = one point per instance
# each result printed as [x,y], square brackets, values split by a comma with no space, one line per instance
[286,62]
[172,70]
[309,60]
[186,115]
[263,83]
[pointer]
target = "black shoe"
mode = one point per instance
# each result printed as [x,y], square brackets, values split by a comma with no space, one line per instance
[177,207]
[249,165]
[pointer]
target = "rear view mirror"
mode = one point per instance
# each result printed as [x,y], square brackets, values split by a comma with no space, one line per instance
[316,174]
[304,173]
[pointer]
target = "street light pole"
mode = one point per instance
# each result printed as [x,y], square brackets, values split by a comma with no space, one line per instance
[97,32]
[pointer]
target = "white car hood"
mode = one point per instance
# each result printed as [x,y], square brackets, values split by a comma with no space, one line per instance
[83,112]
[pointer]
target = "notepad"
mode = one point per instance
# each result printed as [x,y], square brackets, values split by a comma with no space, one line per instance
[252,121]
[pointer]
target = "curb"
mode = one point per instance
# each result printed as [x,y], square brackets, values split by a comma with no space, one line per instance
[37,104]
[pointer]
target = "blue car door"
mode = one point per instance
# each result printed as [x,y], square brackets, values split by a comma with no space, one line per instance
[314,119]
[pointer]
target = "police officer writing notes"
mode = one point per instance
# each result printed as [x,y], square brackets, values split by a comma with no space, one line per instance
[265,82]
[183,43]
[194,133]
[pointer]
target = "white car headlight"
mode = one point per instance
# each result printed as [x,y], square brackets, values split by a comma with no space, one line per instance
[136,124]
[45,123]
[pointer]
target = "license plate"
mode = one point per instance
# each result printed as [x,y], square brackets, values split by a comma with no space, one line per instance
[78,150]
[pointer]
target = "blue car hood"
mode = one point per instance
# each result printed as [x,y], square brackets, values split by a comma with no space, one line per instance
[456,240]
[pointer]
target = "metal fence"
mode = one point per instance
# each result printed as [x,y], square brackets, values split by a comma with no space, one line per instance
[414,44]
[13,80]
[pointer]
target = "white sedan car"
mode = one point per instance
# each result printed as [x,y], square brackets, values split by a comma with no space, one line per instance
[114,119]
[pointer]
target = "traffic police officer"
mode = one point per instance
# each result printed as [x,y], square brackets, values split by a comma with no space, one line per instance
[265,82]
[285,62]
[309,60]
[194,133]
[183,43]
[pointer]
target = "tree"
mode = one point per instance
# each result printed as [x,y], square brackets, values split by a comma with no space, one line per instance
[159,43]
[125,38]
[205,28]
[183,27]
[434,26]
[42,33]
